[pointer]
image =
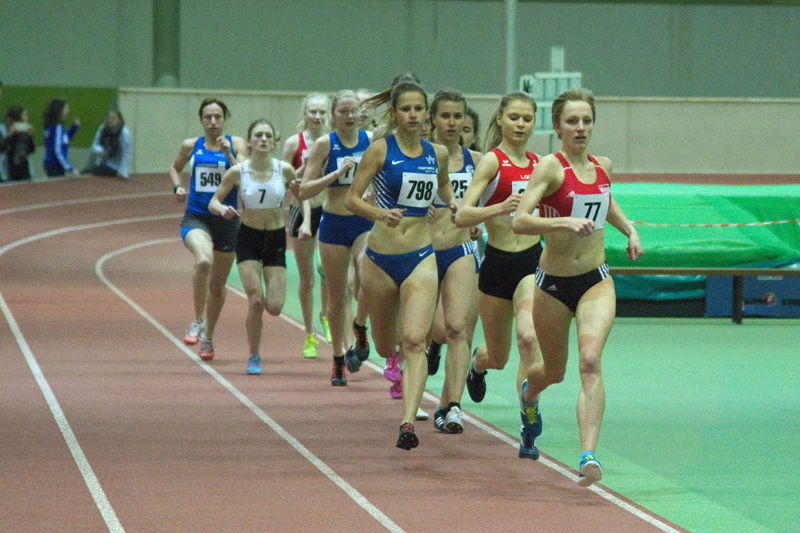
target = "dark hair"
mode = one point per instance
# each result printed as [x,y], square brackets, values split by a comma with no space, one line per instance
[405,76]
[476,123]
[571,95]
[493,134]
[209,101]
[445,95]
[390,96]
[14,113]
[52,113]
[109,137]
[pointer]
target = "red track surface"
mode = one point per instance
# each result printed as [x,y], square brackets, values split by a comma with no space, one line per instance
[178,445]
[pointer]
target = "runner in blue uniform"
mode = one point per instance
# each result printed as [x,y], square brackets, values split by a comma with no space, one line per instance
[210,238]
[457,263]
[399,267]
[331,165]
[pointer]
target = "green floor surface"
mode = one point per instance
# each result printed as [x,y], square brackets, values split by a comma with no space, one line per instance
[701,417]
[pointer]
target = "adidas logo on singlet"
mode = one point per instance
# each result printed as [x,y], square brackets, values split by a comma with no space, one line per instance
[552,288]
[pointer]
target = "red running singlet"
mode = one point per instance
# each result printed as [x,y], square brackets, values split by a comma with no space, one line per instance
[302,151]
[510,179]
[577,199]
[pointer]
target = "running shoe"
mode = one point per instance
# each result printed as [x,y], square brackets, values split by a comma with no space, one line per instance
[254,365]
[391,369]
[591,471]
[326,329]
[206,348]
[438,419]
[338,376]
[434,355]
[407,439]
[421,415]
[193,331]
[454,420]
[476,381]
[396,390]
[362,344]
[531,426]
[310,347]
[352,360]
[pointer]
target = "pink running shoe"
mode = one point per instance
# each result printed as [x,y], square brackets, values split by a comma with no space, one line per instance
[396,390]
[391,370]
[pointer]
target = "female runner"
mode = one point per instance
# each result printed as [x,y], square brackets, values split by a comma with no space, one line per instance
[456,261]
[210,238]
[331,166]
[573,192]
[261,245]
[398,268]
[507,272]
[304,216]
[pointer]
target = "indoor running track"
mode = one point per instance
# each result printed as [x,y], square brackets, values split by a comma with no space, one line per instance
[108,422]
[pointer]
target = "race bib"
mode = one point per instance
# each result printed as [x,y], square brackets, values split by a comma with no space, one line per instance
[459,181]
[347,179]
[417,190]
[591,206]
[208,177]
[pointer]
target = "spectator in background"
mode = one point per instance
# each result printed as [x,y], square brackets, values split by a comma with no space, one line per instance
[111,148]
[18,144]
[3,134]
[56,140]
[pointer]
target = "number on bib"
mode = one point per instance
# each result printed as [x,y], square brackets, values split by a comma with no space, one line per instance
[347,179]
[591,206]
[417,190]
[207,178]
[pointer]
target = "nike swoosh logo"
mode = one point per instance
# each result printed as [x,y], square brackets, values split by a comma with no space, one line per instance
[423,252]
[397,162]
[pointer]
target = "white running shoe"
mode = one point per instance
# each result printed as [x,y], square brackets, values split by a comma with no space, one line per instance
[193,332]
[454,420]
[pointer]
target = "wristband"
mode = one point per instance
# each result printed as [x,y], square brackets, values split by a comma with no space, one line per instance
[175,189]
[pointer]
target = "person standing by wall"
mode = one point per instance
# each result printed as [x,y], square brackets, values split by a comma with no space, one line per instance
[57,139]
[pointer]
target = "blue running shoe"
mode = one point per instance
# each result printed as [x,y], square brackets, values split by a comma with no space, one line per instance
[531,426]
[591,471]
[352,361]
[254,365]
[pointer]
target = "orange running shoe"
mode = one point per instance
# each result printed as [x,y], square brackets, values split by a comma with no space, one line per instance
[206,348]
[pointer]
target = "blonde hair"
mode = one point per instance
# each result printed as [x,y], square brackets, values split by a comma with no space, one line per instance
[302,125]
[571,95]
[494,136]
[344,94]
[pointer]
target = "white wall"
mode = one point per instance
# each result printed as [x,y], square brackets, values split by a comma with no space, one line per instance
[656,135]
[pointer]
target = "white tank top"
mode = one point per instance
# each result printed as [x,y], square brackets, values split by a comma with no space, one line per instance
[262,194]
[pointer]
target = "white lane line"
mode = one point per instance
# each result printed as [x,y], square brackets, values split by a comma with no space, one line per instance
[96,491]
[348,489]
[86,200]
[501,436]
